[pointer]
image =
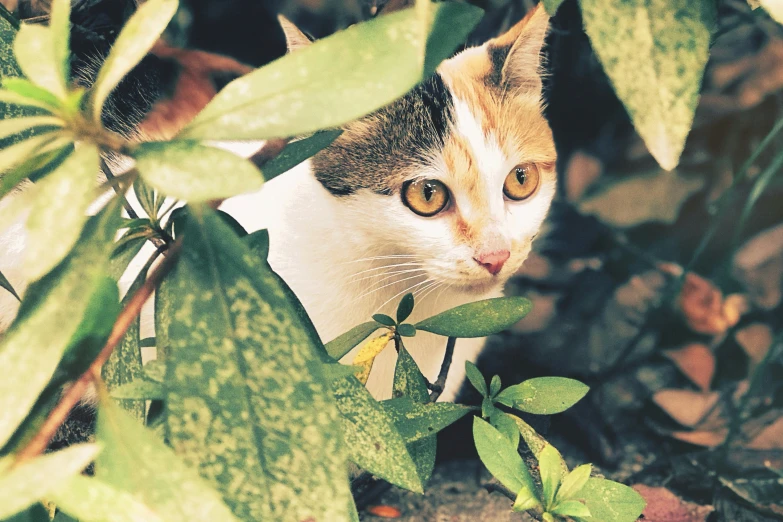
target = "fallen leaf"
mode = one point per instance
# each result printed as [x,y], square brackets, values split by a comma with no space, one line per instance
[665,506]
[708,439]
[758,265]
[770,438]
[651,197]
[385,511]
[687,407]
[755,340]
[704,308]
[582,171]
[696,361]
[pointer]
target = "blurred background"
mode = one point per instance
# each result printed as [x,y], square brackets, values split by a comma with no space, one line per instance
[661,290]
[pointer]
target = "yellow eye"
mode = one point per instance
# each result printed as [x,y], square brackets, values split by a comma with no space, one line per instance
[522,181]
[425,197]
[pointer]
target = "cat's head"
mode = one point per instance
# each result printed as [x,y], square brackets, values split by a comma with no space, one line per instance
[460,172]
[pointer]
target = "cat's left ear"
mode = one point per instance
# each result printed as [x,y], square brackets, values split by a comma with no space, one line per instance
[516,55]
[294,37]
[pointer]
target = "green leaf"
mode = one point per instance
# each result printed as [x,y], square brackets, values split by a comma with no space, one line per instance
[501,457]
[92,500]
[136,39]
[6,284]
[525,500]
[502,422]
[19,103]
[409,382]
[333,81]
[372,438]
[476,378]
[416,421]
[60,27]
[35,53]
[137,391]
[337,371]
[337,348]
[487,408]
[656,63]
[32,94]
[246,399]
[164,312]
[9,127]
[613,501]
[155,371]
[17,153]
[384,319]
[551,6]
[550,471]
[450,28]
[478,319]
[148,342]
[571,508]
[59,210]
[36,513]
[148,198]
[406,330]
[543,395]
[23,485]
[190,171]
[124,364]
[32,346]
[405,307]
[298,151]
[494,386]
[134,460]
[574,482]
[536,442]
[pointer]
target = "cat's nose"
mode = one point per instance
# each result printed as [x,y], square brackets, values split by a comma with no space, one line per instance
[493,261]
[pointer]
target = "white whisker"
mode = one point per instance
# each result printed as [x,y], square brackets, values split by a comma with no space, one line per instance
[376,258]
[384,267]
[401,293]
[388,275]
[387,285]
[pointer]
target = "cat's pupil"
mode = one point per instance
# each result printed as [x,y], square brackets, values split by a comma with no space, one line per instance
[521,176]
[429,190]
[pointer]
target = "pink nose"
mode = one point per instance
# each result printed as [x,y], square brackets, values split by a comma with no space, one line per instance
[493,261]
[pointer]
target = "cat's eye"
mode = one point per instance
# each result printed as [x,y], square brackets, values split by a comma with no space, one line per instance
[522,182]
[425,197]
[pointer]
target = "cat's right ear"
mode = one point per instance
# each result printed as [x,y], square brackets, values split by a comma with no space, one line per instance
[294,38]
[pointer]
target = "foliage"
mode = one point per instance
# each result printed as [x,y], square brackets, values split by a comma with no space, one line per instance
[259,417]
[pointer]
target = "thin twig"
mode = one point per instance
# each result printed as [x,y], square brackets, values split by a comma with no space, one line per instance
[110,178]
[440,384]
[73,395]
[496,487]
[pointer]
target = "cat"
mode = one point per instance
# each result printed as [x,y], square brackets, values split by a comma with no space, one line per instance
[441,194]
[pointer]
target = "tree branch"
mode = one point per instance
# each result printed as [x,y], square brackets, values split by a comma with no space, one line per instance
[73,395]
[439,385]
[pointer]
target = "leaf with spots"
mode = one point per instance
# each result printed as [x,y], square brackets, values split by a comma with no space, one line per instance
[136,461]
[124,364]
[372,438]
[298,151]
[478,319]
[335,80]
[194,172]
[247,402]
[608,500]
[32,346]
[343,344]
[92,500]
[409,382]
[654,52]
[416,421]
[543,395]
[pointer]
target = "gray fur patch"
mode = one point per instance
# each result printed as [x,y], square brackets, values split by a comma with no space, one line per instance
[378,151]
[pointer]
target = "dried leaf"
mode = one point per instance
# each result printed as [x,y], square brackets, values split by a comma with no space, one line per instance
[696,362]
[704,308]
[755,340]
[770,438]
[665,506]
[645,198]
[686,406]
[708,439]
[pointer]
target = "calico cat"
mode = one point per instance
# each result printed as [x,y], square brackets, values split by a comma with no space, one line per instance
[440,193]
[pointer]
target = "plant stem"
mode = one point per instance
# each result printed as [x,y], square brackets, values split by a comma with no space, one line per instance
[73,395]
[440,384]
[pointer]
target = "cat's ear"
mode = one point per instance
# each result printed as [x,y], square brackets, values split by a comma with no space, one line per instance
[516,55]
[294,38]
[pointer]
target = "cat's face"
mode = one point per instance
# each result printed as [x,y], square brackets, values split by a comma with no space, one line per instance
[459,174]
